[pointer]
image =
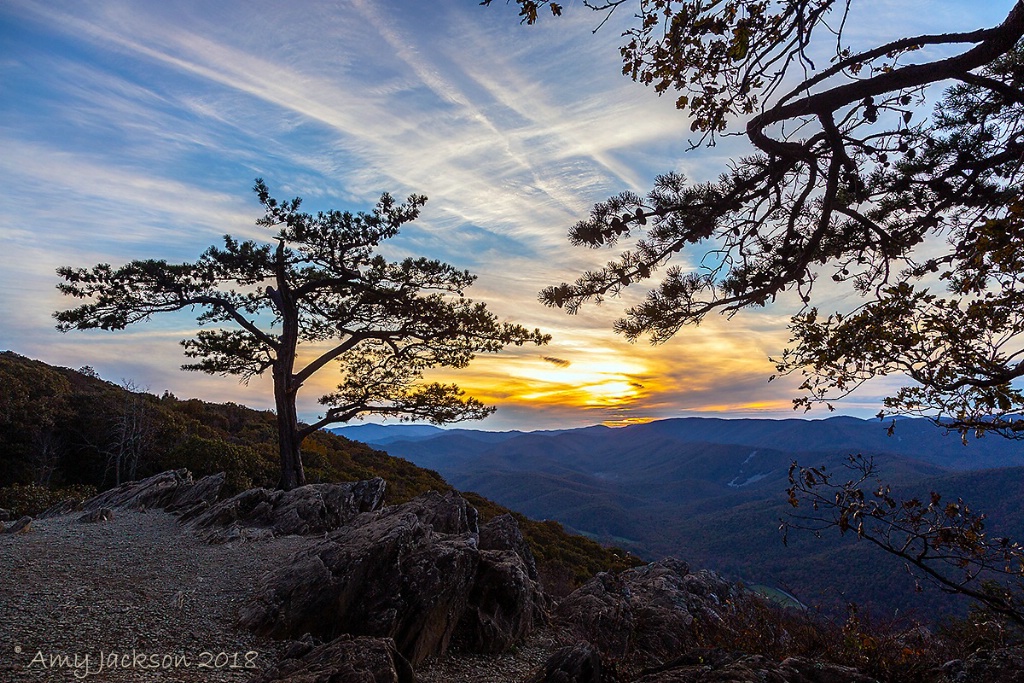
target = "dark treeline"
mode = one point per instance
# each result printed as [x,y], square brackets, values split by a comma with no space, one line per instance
[62,428]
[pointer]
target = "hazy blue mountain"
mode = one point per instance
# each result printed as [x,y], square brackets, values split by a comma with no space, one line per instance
[381,434]
[712,490]
[915,438]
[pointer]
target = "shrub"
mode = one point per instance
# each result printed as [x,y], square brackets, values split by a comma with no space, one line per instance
[243,466]
[33,499]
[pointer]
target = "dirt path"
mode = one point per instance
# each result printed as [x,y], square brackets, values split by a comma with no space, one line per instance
[139,598]
[138,590]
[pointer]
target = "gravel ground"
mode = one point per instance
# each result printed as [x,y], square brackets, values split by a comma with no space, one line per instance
[512,667]
[137,589]
[159,603]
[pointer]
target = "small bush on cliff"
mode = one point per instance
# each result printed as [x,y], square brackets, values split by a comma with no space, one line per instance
[32,499]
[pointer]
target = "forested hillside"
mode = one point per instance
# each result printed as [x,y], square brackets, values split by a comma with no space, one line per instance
[62,428]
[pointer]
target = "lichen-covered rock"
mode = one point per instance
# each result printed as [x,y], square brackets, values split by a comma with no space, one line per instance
[445,513]
[503,533]
[153,492]
[600,613]
[389,574]
[720,666]
[310,509]
[22,526]
[100,515]
[505,604]
[204,492]
[64,507]
[344,659]
[1004,665]
[172,490]
[645,613]
[579,663]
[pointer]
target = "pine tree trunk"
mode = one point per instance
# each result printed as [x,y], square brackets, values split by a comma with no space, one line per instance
[292,474]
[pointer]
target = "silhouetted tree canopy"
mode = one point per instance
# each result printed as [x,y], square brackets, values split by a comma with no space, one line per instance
[317,285]
[852,178]
[945,542]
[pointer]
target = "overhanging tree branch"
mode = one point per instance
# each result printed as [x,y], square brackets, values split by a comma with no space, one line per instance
[849,180]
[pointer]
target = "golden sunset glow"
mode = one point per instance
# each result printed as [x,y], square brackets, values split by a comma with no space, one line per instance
[509,133]
[627,421]
[586,384]
[745,407]
[603,379]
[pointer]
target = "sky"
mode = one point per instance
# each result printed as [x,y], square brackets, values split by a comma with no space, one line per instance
[135,129]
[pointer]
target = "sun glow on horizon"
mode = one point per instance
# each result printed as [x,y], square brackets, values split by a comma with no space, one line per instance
[604,380]
[628,421]
[773,406]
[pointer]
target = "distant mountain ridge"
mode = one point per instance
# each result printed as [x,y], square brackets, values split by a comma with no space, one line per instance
[711,490]
[916,438]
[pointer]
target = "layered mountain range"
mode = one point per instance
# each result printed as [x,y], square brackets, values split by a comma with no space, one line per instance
[712,491]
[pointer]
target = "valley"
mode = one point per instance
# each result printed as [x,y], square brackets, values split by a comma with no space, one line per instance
[712,492]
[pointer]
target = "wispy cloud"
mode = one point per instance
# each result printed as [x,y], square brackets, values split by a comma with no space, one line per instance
[134,130]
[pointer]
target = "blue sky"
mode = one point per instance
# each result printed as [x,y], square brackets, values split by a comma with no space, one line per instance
[135,130]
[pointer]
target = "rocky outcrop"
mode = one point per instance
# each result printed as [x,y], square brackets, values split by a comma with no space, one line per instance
[446,513]
[100,515]
[506,602]
[155,492]
[503,533]
[166,490]
[1002,665]
[504,605]
[579,663]
[310,509]
[646,613]
[197,497]
[22,526]
[413,573]
[719,666]
[346,658]
[388,575]
[648,617]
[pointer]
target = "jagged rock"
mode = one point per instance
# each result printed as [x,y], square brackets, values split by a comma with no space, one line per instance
[812,671]
[154,492]
[171,490]
[645,613]
[720,666]
[343,660]
[446,513]
[310,509]
[189,513]
[22,526]
[579,663]
[62,508]
[504,606]
[101,515]
[6,515]
[599,612]
[204,492]
[1004,665]
[503,533]
[297,649]
[388,574]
